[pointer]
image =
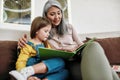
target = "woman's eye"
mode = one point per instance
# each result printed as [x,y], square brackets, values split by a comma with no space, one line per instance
[52,14]
[59,13]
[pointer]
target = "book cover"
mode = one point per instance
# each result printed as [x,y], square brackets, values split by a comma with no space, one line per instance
[46,53]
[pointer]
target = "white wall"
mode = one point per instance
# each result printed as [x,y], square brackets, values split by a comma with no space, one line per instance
[91,16]
[87,16]
[6,34]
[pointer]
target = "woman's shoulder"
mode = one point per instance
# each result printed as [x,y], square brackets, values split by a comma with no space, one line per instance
[69,26]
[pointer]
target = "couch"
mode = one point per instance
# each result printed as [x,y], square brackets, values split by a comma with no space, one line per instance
[8,55]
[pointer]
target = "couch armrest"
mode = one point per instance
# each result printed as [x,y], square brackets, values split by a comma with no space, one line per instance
[111,47]
[8,56]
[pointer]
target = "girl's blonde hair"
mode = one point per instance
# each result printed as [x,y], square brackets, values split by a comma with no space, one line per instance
[38,23]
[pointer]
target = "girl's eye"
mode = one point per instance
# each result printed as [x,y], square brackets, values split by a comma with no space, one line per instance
[46,31]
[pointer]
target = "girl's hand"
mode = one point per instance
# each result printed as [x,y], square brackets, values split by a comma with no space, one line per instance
[22,41]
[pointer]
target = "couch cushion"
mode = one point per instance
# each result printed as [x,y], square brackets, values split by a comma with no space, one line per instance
[111,47]
[8,56]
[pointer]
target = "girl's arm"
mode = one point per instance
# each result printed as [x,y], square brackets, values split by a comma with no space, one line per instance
[25,53]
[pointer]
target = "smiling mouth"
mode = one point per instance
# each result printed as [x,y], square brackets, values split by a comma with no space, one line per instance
[56,21]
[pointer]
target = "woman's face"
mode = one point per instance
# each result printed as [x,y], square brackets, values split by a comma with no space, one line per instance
[54,14]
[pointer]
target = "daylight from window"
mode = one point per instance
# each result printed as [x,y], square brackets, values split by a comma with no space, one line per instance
[17,11]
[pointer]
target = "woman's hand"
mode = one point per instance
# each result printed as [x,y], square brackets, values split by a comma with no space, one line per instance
[33,78]
[22,41]
[70,48]
[67,50]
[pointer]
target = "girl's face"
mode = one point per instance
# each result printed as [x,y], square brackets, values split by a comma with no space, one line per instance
[43,33]
[54,14]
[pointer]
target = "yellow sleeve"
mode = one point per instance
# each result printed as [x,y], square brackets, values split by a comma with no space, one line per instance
[25,53]
[48,46]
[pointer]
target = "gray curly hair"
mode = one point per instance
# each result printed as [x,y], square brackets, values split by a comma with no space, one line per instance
[61,28]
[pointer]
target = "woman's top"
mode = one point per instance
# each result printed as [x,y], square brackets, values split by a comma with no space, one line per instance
[68,41]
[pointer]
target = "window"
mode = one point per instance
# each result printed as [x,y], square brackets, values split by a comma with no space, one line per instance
[66,8]
[18,14]
[17,11]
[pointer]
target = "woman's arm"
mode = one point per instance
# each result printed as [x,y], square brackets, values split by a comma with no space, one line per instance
[22,41]
[76,37]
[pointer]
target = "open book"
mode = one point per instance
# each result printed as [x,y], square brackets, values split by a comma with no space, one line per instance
[46,53]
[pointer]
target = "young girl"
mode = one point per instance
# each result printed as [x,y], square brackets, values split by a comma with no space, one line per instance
[50,69]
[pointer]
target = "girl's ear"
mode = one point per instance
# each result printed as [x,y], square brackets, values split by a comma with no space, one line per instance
[37,32]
